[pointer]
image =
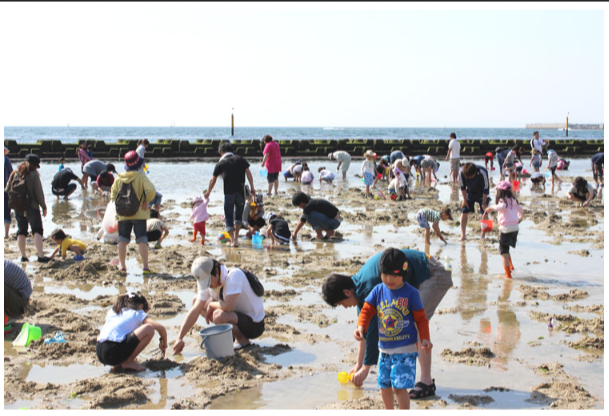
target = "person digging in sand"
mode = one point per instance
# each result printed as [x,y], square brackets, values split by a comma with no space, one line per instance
[321,214]
[475,190]
[422,272]
[235,303]
[127,331]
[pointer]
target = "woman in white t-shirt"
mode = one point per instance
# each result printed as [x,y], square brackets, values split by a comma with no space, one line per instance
[581,192]
[225,296]
[127,331]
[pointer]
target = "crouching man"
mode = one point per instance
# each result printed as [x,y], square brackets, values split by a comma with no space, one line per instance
[224,297]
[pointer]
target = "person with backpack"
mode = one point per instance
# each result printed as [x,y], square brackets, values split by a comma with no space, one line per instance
[25,197]
[131,193]
[238,302]
[8,169]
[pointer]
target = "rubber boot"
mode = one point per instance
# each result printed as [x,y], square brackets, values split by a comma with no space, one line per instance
[194,236]
[508,272]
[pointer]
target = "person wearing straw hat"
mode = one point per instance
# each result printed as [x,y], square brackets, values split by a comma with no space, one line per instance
[344,161]
[8,169]
[234,303]
[368,172]
[145,192]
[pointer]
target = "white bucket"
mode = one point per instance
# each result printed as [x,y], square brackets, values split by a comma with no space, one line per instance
[218,341]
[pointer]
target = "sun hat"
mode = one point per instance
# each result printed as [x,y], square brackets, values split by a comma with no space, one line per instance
[201,270]
[393,261]
[504,185]
[197,199]
[369,153]
[33,159]
[133,161]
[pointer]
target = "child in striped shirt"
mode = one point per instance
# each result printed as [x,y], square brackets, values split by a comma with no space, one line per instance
[425,216]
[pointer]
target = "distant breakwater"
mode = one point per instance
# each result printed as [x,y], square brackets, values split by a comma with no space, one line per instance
[202,148]
[561,126]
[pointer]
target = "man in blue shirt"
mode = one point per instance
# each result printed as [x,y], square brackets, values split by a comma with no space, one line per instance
[474,184]
[425,274]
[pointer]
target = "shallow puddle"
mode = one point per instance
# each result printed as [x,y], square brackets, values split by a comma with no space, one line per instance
[58,374]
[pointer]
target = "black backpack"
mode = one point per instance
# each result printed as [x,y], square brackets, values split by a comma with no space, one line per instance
[127,203]
[18,197]
[253,281]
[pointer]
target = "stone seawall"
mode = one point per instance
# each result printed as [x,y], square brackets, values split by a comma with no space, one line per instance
[202,148]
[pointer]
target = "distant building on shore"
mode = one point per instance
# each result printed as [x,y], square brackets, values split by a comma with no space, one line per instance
[561,126]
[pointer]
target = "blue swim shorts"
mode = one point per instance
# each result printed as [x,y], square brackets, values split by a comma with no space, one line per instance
[397,371]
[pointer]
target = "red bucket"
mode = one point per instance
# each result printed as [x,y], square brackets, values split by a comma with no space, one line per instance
[486,225]
[516,186]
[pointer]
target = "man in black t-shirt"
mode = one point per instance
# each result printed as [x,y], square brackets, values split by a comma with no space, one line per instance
[321,214]
[233,169]
[61,186]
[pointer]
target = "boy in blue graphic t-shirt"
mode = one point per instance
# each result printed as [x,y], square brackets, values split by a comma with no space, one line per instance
[401,318]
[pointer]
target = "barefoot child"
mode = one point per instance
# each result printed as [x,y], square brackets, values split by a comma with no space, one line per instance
[64,244]
[368,171]
[552,165]
[278,229]
[127,331]
[307,176]
[325,175]
[198,217]
[510,215]
[401,318]
[425,216]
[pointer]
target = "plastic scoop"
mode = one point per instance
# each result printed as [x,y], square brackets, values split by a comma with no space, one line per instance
[28,334]
[344,377]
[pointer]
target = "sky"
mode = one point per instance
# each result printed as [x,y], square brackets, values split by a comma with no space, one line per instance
[300,65]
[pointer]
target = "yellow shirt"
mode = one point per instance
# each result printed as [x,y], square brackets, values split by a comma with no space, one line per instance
[67,242]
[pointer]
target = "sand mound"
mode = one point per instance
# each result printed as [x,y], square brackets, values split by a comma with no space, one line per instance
[470,356]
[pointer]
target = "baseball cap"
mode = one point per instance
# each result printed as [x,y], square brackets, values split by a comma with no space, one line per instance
[393,261]
[269,215]
[504,185]
[201,270]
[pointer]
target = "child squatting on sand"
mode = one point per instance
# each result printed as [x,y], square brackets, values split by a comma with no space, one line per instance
[198,217]
[426,216]
[65,243]
[127,331]
[401,318]
[510,215]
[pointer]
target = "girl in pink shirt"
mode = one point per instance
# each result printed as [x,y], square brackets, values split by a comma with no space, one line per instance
[510,214]
[198,217]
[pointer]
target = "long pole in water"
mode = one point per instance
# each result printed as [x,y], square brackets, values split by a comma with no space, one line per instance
[567,129]
[232,124]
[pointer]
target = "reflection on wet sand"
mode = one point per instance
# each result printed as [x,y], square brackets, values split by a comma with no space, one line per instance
[472,291]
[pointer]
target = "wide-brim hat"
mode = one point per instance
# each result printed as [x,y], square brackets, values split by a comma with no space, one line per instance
[133,161]
[369,153]
[201,269]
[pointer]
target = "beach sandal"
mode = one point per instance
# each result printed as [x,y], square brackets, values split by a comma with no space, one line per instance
[157,246]
[238,346]
[423,390]
[44,259]
[59,338]
[122,272]
[79,258]
[148,271]
[23,259]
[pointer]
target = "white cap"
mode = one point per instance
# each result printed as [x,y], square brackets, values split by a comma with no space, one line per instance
[201,270]
[269,215]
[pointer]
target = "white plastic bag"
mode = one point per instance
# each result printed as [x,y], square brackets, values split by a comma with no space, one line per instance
[109,222]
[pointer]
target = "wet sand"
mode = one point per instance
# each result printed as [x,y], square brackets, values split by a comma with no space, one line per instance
[492,345]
